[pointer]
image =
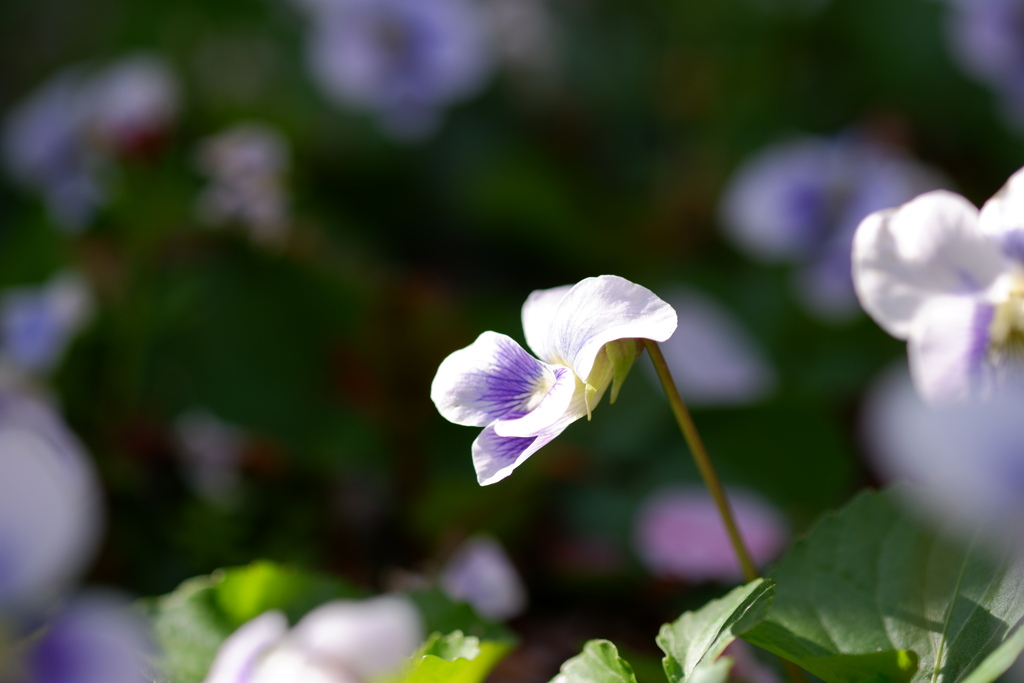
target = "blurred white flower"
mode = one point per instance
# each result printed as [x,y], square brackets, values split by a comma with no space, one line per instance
[58,140]
[524,38]
[712,358]
[965,458]
[38,322]
[95,638]
[344,641]
[679,534]
[49,503]
[132,104]
[950,280]
[212,451]
[800,201]
[404,61]
[246,165]
[481,573]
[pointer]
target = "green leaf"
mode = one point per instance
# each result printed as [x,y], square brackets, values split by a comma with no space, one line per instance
[454,658]
[598,663]
[244,593]
[441,614]
[694,641]
[875,593]
[188,630]
[1000,660]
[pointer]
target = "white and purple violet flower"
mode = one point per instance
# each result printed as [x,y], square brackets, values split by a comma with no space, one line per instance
[950,280]
[587,337]
[799,202]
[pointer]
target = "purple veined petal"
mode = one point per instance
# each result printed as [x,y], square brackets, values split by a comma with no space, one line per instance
[370,638]
[239,655]
[931,246]
[602,309]
[538,320]
[494,457]
[481,573]
[97,638]
[714,360]
[49,503]
[948,348]
[557,404]
[679,534]
[1002,217]
[493,378]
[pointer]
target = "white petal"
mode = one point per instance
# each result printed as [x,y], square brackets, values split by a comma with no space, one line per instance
[371,638]
[493,378]
[947,348]
[714,360]
[49,502]
[538,319]
[1002,218]
[602,309]
[929,247]
[481,573]
[243,648]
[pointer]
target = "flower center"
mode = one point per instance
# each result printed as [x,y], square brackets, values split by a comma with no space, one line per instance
[1006,332]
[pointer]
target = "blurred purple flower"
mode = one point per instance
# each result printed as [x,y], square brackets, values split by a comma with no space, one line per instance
[800,202]
[679,534]
[965,457]
[481,573]
[58,140]
[403,61]
[246,165]
[49,507]
[985,38]
[37,323]
[96,638]
[713,359]
[344,641]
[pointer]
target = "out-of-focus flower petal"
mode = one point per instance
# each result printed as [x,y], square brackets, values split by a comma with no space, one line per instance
[371,638]
[603,309]
[212,450]
[49,508]
[481,573]
[37,323]
[948,347]
[965,457]
[239,655]
[1002,218]
[929,247]
[679,534]
[132,103]
[97,638]
[714,360]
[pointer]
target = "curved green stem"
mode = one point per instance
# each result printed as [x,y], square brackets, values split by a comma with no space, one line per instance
[700,455]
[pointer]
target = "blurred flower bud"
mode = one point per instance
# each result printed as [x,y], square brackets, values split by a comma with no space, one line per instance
[481,573]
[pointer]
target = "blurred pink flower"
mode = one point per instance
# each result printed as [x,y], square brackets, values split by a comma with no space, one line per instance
[481,573]
[679,534]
